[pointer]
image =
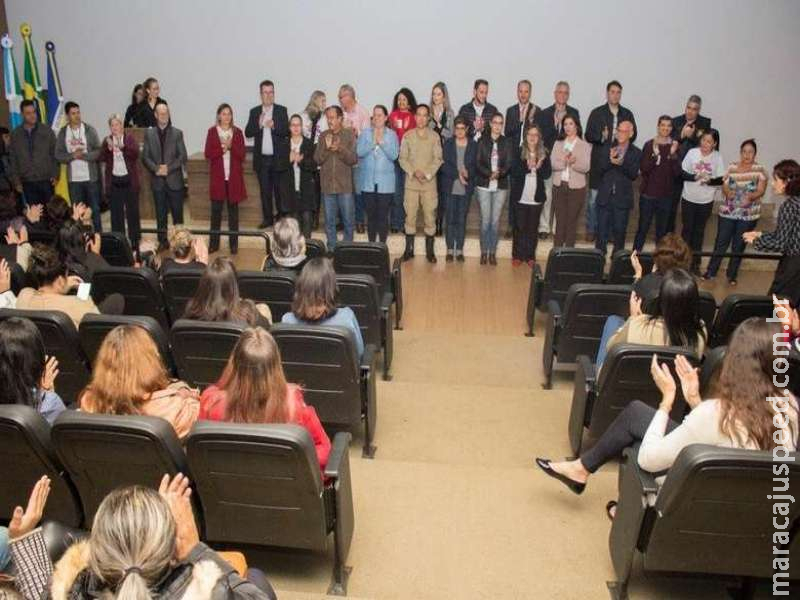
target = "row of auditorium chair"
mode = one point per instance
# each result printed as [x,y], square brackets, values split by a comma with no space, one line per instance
[253,485]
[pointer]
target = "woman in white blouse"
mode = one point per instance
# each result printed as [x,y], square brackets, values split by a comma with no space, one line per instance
[528,175]
[119,153]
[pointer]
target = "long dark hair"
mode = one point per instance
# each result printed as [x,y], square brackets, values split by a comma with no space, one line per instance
[578,128]
[315,291]
[217,296]
[71,245]
[412,101]
[677,305]
[136,88]
[21,362]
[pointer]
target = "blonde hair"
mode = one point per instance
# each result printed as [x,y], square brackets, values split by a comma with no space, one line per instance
[132,542]
[540,151]
[311,108]
[181,242]
[115,117]
[289,241]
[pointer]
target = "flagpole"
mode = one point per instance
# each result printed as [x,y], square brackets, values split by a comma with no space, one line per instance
[11,85]
[32,85]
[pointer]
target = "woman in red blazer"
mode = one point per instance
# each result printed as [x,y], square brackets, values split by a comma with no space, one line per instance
[119,154]
[225,153]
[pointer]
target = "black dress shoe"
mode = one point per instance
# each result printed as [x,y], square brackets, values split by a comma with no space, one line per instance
[394,230]
[483,259]
[264,224]
[493,260]
[449,258]
[575,486]
[460,258]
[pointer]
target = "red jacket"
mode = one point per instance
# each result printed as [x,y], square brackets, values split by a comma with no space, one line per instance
[214,407]
[130,152]
[404,119]
[216,187]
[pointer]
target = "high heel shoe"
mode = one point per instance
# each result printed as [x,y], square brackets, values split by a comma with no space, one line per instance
[575,486]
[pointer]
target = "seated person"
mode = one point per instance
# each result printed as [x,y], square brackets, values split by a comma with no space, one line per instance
[674,320]
[670,253]
[253,389]
[28,375]
[22,522]
[79,250]
[736,416]
[129,378]
[188,252]
[288,247]
[314,301]
[217,298]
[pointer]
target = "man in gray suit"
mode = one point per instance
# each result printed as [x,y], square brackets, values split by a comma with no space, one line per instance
[164,155]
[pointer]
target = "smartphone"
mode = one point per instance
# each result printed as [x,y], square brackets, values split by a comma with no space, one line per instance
[84,289]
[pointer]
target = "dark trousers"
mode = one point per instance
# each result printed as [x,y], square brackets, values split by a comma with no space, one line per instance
[649,207]
[216,222]
[88,193]
[612,223]
[125,204]
[526,231]
[270,193]
[398,211]
[167,201]
[694,217]
[307,223]
[441,207]
[37,192]
[677,191]
[377,207]
[567,204]
[455,229]
[516,185]
[627,429]
[729,232]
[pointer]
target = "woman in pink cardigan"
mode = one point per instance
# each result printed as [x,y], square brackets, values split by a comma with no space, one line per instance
[570,161]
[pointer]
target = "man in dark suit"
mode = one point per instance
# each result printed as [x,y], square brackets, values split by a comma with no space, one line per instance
[617,171]
[600,130]
[164,155]
[268,125]
[479,112]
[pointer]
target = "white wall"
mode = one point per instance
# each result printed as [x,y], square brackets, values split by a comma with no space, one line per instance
[739,55]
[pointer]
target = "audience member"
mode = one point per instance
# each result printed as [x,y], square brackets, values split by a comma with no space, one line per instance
[253,389]
[288,247]
[355,118]
[529,170]
[378,148]
[137,97]
[6,185]
[441,121]
[478,112]
[21,524]
[146,115]
[300,184]
[188,252]
[119,152]
[79,250]
[32,158]
[458,172]
[671,253]
[570,163]
[313,116]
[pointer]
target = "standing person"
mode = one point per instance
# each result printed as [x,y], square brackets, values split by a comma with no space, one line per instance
[268,125]
[336,155]
[661,164]
[137,97]
[687,129]
[300,183]
[313,116]
[617,171]
[78,147]
[421,157]
[164,155]
[356,118]
[441,122]
[401,120]
[786,237]
[225,154]
[570,162]
[743,186]
[478,112]
[378,148]
[494,157]
[703,169]
[458,173]
[600,130]
[32,157]
[146,115]
[527,177]
[120,153]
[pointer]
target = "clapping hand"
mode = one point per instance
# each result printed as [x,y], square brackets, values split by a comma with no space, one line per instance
[33,213]
[177,494]
[200,250]
[50,373]
[751,236]
[636,264]
[5,276]
[664,382]
[78,211]
[690,381]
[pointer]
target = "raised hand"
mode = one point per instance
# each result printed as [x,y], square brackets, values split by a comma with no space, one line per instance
[25,521]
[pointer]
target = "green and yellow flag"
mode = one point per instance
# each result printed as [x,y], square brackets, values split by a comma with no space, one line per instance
[32,83]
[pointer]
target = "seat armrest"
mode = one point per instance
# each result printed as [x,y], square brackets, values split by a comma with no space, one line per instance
[368,359]
[538,285]
[397,290]
[386,302]
[554,308]
[586,366]
[537,272]
[583,398]
[646,480]
[58,538]
[339,453]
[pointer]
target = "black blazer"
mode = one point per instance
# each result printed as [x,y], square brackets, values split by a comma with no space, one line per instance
[701,125]
[550,131]
[512,126]
[309,173]
[280,135]
[450,166]
[520,170]
[483,161]
[468,112]
[616,181]
[601,117]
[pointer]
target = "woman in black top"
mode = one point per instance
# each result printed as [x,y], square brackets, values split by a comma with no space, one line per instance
[530,170]
[146,115]
[137,97]
[79,250]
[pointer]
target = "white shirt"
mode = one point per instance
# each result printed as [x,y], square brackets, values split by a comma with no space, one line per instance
[322,125]
[528,196]
[568,146]
[295,147]
[478,113]
[75,139]
[709,167]
[119,169]
[266,134]
[226,136]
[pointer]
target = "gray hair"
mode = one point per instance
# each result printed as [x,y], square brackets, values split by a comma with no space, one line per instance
[562,82]
[115,117]
[346,87]
[289,241]
[695,99]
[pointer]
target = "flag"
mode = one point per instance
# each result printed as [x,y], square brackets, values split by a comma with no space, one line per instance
[11,82]
[32,85]
[55,111]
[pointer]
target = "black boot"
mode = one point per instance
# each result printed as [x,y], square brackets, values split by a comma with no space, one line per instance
[429,241]
[409,253]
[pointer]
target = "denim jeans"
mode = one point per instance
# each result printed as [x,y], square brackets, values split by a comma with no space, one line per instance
[491,204]
[648,207]
[612,222]
[613,323]
[591,212]
[397,214]
[456,225]
[336,204]
[87,192]
[729,231]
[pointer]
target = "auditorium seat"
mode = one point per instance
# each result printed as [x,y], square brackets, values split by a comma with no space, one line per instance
[709,369]
[140,288]
[707,309]
[360,293]
[116,249]
[261,485]
[273,288]
[19,278]
[103,452]
[621,271]
[578,328]
[735,309]
[94,328]
[372,258]
[315,248]
[179,287]
[201,349]
[323,361]
[711,516]
[624,377]
[28,454]
[60,340]
[565,266]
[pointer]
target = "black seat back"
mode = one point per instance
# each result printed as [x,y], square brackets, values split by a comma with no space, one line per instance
[273,288]
[621,271]
[364,258]
[360,293]
[707,309]
[567,266]
[116,249]
[323,361]
[104,452]
[258,484]
[19,278]
[60,340]
[94,328]
[179,287]
[140,288]
[201,349]
[315,248]
[735,309]
[27,455]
